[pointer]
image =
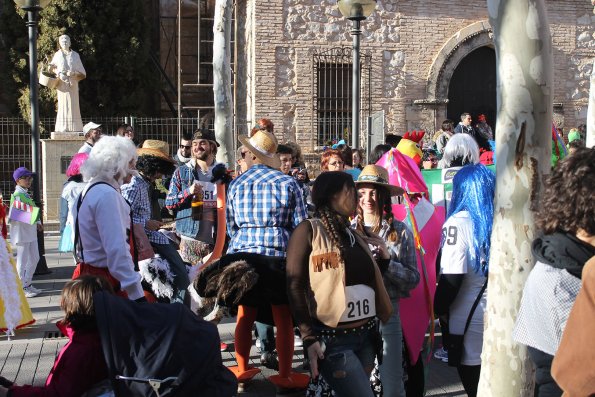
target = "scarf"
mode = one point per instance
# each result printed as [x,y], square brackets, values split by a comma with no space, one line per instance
[181,158]
[563,251]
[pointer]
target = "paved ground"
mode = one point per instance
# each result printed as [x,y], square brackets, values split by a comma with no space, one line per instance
[29,356]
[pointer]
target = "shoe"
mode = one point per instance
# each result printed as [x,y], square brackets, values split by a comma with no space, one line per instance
[441,355]
[32,288]
[29,293]
[258,344]
[297,341]
[223,346]
[270,360]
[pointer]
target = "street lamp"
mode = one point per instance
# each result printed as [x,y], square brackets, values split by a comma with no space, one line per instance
[356,11]
[33,7]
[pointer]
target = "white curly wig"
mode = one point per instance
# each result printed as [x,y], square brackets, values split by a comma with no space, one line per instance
[110,159]
[461,149]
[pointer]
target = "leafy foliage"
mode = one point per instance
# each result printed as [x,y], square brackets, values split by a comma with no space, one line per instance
[112,39]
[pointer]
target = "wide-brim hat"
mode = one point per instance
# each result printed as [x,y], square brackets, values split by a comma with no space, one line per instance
[378,175]
[157,148]
[263,145]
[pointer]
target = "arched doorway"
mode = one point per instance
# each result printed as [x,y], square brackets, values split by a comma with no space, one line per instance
[472,87]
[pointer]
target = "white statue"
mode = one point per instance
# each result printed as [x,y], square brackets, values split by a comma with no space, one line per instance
[67,65]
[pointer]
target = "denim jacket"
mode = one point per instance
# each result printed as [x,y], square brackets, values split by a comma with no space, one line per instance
[180,199]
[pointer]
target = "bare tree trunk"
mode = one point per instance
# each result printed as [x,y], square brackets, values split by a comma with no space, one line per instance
[591,111]
[222,29]
[523,146]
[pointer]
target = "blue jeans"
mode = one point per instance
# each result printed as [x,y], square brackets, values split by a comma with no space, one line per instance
[348,361]
[391,370]
[266,334]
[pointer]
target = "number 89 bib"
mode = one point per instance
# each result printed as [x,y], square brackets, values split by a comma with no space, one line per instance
[360,303]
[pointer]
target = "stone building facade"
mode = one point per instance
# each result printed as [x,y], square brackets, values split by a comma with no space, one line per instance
[428,60]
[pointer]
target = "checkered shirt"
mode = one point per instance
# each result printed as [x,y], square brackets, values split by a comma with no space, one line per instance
[264,206]
[137,194]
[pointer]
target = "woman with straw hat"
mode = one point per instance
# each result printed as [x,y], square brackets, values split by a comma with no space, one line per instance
[400,275]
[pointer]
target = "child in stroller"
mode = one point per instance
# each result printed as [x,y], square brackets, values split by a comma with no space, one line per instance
[80,364]
[132,346]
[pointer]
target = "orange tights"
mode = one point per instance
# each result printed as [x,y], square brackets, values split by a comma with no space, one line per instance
[283,340]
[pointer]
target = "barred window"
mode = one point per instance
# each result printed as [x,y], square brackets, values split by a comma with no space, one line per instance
[332,94]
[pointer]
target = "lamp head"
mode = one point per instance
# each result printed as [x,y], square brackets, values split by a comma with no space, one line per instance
[32,4]
[356,10]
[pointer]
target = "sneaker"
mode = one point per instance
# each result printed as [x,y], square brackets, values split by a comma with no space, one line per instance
[297,341]
[270,360]
[223,346]
[36,290]
[441,355]
[29,293]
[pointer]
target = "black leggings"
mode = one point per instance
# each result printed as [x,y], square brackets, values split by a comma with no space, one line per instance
[469,375]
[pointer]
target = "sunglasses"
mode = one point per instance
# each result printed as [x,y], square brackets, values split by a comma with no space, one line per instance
[185,147]
[244,154]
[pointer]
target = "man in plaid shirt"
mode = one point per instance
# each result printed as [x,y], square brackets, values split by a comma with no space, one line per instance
[153,162]
[264,206]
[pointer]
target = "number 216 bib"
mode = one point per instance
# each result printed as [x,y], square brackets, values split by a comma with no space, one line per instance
[360,303]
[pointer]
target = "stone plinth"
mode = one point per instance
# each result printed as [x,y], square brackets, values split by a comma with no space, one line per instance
[65,136]
[56,155]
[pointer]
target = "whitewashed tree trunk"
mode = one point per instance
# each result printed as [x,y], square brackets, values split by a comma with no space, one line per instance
[523,147]
[222,30]
[591,110]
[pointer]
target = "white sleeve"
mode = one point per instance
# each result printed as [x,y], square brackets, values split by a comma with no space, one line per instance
[455,247]
[113,237]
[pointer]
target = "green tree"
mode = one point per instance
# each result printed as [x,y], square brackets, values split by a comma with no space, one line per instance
[112,39]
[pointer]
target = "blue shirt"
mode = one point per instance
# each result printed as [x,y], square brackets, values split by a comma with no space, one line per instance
[137,194]
[264,206]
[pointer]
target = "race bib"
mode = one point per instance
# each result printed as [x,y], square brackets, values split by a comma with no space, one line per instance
[209,194]
[361,303]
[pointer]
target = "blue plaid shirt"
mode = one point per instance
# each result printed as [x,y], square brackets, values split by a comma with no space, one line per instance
[264,206]
[137,194]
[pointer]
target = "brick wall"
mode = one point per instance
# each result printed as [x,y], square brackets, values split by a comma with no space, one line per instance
[404,39]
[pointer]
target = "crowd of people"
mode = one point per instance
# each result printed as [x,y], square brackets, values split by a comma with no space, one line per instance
[329,263]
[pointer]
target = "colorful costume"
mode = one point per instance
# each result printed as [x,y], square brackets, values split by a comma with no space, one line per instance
[23,233]
[425,221]
[410,145]
[14,309]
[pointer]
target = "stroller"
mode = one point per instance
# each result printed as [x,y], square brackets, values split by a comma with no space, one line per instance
[159,350]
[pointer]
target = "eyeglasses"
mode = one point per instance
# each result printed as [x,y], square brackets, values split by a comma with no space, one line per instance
[336,163]
[244,154]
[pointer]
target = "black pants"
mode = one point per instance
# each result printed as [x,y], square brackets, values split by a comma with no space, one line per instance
[469,375]
[415,385]
[545,385]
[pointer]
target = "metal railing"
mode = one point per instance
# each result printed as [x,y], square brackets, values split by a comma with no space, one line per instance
[15,138]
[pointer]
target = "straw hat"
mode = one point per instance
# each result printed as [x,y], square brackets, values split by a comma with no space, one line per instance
[377,175]
[157,148]
[263,145]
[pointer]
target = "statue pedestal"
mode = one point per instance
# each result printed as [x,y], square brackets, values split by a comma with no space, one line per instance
[65,136]
[56,154]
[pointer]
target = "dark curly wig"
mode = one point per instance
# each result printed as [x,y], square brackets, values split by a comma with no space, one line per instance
[149,165]
[568,202]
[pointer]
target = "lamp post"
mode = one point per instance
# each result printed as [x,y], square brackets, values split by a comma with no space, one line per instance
[33,7]
[356,11]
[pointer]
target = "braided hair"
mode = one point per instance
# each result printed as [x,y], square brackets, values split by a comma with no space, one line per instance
[327,185]
[384,212]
